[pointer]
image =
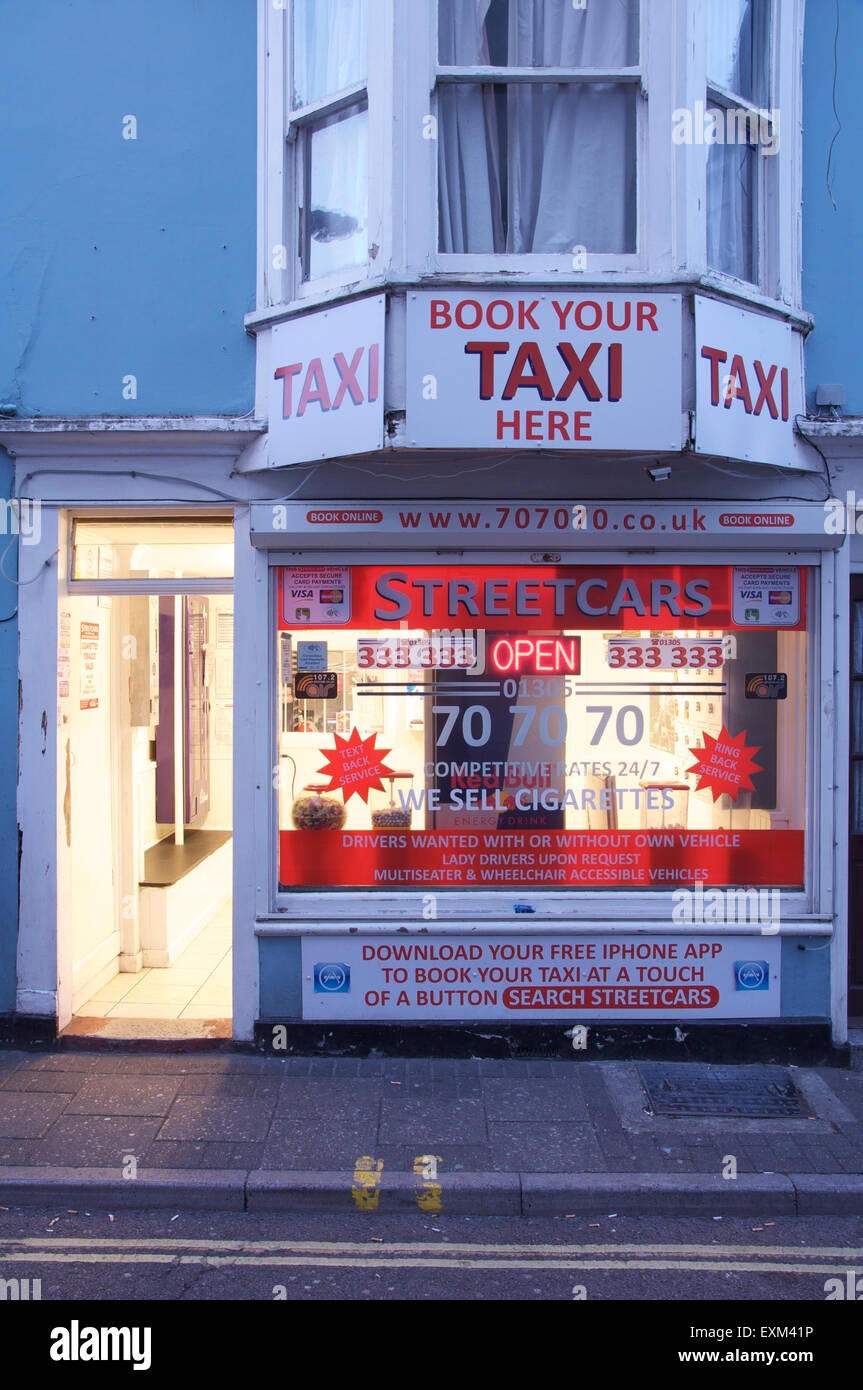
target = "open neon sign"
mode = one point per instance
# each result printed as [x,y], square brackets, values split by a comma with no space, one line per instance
[537,654]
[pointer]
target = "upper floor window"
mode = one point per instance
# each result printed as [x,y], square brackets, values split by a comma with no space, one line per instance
[740,128]
[329,123]
[537,120]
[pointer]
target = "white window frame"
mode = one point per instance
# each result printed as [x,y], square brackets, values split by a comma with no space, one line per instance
[281,147]
[778,176]
[424,58]
[311,910]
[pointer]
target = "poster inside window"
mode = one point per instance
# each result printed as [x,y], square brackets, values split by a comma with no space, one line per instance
[592,727]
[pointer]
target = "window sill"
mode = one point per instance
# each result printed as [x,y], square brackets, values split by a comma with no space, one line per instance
[544,276]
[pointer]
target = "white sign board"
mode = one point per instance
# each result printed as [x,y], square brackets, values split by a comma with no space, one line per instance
[700,975]
[326,384]
[550,524]
[765,597]
[748,386]
[316,597]
[515,370]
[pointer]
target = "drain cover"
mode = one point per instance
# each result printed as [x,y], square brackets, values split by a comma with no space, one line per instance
[684,1088]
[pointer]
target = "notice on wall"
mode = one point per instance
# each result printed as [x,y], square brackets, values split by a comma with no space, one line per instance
[500,370]
[64,655]
[515,978]
[662,858]
[765,597]
[604,741]
[315,596]
[89,658]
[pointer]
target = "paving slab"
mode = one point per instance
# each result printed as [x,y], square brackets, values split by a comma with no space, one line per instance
[544,1100]
[95,1141]
[543,1147]
[25,1116]
[409,1121]
[332,1143]
[123,1096]
[213,1117]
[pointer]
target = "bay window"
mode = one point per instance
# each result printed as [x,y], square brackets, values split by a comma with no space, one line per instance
[540,137]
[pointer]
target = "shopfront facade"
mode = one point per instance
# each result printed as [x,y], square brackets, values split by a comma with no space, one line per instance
[501,655]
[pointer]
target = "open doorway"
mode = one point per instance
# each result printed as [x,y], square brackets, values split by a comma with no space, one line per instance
[145,790]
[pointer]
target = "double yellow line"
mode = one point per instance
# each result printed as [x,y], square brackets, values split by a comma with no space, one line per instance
[763,1259]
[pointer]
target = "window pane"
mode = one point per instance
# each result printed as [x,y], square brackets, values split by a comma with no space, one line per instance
[731,210]
[152,548]
[856,798]
[737,47]
[857,638]
[537,33]
[338,202]
[329,47]
[857,717]
[519,167]
[496,744]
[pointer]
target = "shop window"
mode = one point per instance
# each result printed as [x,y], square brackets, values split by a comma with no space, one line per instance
[495,730]
[329,126]
[152,548]
[740,129]
[521,157]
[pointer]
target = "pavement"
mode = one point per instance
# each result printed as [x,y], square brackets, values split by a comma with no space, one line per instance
[230,1131]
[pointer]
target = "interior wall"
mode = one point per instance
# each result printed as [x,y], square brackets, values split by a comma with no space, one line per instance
[221,675]
[86,839]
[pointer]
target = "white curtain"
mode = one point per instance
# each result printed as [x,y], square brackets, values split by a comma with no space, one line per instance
[556,168]
[469,193]
[329,47]
[731,210]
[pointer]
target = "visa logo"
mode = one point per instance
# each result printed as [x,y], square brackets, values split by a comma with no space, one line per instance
[750,593]
[302,593]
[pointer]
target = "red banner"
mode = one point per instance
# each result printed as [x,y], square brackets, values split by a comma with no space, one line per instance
[534,598]
[405,859]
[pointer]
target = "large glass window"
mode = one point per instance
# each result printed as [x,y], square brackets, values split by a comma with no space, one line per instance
[520,157]
[605,727]
[329,124]
[738,126]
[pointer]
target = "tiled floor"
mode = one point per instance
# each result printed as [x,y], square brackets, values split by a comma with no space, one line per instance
[198,985]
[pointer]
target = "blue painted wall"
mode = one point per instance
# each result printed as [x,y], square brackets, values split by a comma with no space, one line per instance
[122,256]
[8,757]
[119,257]
[833,238]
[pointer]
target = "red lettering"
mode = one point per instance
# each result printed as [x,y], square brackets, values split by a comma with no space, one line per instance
[287,374]
[348,378]
[741,390]
[715,357]
[486,353]
[529,355]
[579,371]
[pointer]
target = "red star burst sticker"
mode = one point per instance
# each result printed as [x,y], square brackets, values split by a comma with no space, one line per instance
[725,764]
[355,765]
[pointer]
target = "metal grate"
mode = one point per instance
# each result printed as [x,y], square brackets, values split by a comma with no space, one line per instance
[685,1088]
